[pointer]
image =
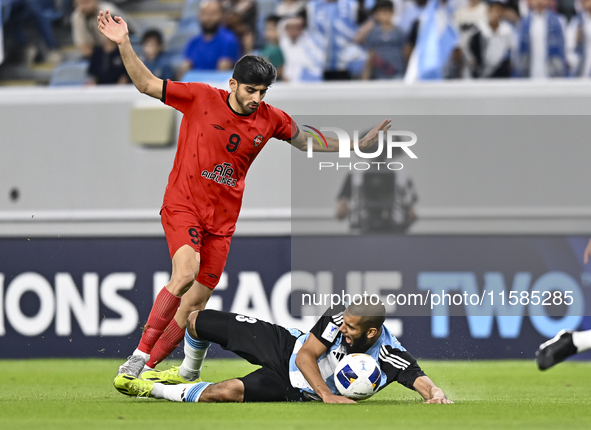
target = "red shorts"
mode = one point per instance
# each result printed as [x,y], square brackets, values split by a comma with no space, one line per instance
[184,228]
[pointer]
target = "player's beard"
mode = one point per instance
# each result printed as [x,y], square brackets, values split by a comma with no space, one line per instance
[360,345]
[244,105]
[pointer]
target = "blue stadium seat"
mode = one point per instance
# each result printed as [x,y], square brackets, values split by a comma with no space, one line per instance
[207,76]
[69,73]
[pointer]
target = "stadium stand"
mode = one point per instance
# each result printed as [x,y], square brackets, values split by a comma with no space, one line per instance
[69,74]
[178,22]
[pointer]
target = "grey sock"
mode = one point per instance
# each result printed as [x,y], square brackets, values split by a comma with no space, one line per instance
[188,375]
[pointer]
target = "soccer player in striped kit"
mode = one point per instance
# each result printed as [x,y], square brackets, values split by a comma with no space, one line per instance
[296,366]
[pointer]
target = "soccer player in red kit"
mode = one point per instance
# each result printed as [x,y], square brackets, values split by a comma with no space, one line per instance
[220,136]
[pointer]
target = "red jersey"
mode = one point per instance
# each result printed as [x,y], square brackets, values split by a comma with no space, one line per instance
[216,147]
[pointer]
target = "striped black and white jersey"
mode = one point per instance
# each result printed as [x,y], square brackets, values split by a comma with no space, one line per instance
[395,362]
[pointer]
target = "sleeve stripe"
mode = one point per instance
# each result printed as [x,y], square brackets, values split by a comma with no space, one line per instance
[392,359]
[395,364]
[402,361]
[338,318]
[389,354]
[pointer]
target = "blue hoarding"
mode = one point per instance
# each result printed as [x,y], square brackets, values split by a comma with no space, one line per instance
[89,297]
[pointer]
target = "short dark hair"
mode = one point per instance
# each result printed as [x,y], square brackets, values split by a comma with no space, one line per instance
[252,69]
[153,34]
[372,315]
[383,4]
[273,18]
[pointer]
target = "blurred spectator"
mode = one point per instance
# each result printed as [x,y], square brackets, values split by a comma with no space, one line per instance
[433,46]
[467,18]
[385,44]
[247,40]
[512,11]
[35,12]
[296,47]
[567,8]
[216,48]
[238,12]
[409,13]
[271,51]
[106,65]
[541,43]
[493,44]
[578,42]
[290,8]
[332,25]
[85,31]
[414,29]
[153,55]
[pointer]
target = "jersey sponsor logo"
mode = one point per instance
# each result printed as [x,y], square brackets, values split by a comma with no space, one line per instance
[258,140]
[222,174]
[330,332]
[212,275]
[217,127]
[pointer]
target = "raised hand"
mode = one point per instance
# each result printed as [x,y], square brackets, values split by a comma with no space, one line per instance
[372,136]
[114,27]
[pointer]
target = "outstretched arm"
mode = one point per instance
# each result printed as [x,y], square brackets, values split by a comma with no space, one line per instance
[432,394]
[332,144]
[115,28]
[307,362]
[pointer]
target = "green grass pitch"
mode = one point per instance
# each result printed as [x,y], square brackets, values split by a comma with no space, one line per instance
[78,394]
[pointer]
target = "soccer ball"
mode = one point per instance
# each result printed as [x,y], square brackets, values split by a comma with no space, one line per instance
[357,376]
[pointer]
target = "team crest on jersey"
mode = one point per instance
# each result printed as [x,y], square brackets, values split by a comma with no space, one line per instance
[258,140]
[222,174]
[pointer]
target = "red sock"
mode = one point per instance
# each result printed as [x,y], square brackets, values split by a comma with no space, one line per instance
[167,343]
[164,308]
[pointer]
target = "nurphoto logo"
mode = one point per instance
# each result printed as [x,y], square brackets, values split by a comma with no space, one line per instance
[393,140]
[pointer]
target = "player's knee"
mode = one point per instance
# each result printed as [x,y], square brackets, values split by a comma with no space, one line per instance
[232,396]
[192,318]
[197,305]
[235,391]
[182,281]
[231,391]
